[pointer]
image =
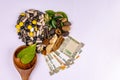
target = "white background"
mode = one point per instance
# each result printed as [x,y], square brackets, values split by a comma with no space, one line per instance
[94,22]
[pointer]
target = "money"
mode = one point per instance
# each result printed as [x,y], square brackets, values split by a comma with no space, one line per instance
[71,47]
[65,56]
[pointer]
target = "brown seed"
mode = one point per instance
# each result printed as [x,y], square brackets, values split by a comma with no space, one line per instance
[46,41]
[64,19]
[58,31]
[66,28]
[43,52]
[67,23]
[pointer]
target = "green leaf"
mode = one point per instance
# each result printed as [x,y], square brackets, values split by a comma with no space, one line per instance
[50,13]
[63,14]
[26,55]
[27,58]
[58,17]
[53,22]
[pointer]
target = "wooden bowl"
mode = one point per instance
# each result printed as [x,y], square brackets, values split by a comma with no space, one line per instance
[17,61]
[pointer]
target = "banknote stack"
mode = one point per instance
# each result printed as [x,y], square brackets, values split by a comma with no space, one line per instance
[65,56]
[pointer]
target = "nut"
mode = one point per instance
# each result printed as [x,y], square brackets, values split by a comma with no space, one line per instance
[64,19]
[65,33]
[67,23]
[66,28]
[58,31]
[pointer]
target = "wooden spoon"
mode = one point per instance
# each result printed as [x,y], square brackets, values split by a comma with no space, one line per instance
[24,69]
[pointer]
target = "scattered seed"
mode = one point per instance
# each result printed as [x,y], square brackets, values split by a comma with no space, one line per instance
[32,28]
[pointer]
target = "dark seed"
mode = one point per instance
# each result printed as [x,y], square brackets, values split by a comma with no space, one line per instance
[40,13]
[67,23]
[26,25]
[27,38]
[31,15]
[27,21]
[34,41]
[45,33]
[22,27]
[44,48]
[38,26]
[19,34]
[27,44]
[36,18]
[58,23]
[18,21]
[40,37]
[35,38]
[52,31]
[23,39]
[27,30]
[65,33]
[33,25]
